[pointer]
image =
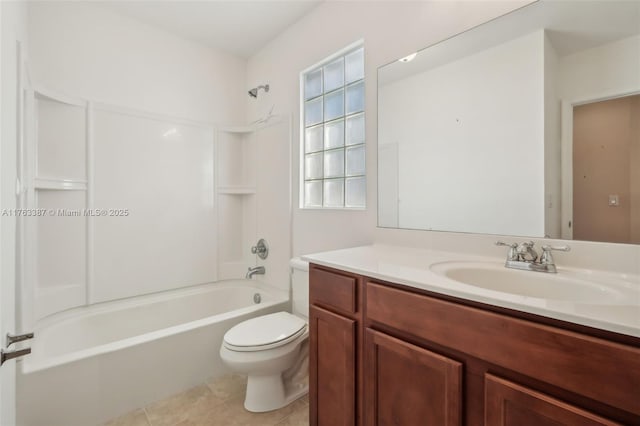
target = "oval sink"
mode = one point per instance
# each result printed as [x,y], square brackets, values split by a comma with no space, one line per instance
[564,286]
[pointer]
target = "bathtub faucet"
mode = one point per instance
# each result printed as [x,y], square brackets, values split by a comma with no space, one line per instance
[253,271]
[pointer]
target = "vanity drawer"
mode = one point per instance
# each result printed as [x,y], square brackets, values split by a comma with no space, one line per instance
[332,290]
[549,354]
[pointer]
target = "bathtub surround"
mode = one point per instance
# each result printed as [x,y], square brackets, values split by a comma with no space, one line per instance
[248,166]
[218,402]
[99,240]
[144,102]
[177,89]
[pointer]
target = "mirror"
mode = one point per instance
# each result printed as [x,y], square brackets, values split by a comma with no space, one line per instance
[528,125]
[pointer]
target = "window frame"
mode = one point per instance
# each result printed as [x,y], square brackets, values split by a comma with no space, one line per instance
[301,181]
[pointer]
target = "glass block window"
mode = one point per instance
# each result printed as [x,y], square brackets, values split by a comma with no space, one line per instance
[333,148]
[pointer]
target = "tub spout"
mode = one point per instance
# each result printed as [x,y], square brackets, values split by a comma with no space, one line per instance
[253,271]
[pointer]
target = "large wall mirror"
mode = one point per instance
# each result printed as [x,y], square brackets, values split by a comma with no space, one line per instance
[528,125]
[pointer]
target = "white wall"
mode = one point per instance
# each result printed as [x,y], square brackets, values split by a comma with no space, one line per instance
[603,70]
[452,170]
[390,30]
[273,207]
[13,29]
[83,50]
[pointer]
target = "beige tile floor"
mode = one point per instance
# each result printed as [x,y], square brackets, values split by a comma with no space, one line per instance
[216,403]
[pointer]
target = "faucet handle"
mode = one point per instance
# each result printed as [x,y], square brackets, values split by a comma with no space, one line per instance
[547,247]
[546,258]
[512,245]
[261,249]
[512,254]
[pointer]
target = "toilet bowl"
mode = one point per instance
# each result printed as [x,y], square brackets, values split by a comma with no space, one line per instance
[272,350]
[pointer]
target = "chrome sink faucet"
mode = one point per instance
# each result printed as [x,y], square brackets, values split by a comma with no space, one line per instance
[523,256]
[255,270]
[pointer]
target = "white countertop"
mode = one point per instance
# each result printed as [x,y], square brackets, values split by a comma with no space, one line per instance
[411,267]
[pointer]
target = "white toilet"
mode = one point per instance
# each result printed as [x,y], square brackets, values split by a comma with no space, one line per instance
[273,349]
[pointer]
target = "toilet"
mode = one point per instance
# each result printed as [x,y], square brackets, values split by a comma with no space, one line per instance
[273,350]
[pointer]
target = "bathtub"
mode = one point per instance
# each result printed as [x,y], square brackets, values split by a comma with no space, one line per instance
[94,363]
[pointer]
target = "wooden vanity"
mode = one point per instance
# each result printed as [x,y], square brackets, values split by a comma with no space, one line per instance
[388,354]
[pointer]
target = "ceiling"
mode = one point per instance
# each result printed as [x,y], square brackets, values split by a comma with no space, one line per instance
[241,27]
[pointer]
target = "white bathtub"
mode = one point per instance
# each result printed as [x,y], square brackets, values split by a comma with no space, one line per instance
[94,363]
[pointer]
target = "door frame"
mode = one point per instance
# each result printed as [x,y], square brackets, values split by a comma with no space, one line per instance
[11,134]
[566,150]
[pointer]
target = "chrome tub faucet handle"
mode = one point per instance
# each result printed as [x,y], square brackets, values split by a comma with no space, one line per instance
[261,249]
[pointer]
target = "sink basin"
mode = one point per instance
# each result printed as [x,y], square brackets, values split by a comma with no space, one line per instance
[563,286]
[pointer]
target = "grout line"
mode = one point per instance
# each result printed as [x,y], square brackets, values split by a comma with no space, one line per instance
[146,415]
[279,422]
[208,384]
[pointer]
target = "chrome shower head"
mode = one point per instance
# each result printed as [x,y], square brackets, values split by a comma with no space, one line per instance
[254,92]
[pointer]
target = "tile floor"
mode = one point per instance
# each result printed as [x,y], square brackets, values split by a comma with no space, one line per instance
[216,403]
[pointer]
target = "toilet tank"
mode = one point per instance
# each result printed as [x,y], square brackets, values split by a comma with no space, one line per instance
[300,287]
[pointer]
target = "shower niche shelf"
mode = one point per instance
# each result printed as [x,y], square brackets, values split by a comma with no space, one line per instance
[236,189]
[238,129]
[55,180]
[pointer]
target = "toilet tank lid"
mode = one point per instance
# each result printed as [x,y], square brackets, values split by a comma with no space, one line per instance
[264,330]
[297,263]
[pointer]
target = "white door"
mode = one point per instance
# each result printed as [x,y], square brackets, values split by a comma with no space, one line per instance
[7,302]
[12,25]
[7,313]
[7,224]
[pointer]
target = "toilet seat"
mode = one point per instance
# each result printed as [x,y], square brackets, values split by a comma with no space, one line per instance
[265,332]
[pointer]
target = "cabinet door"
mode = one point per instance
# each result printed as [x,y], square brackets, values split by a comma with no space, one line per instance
[510,404]
[406,385]
[332,370]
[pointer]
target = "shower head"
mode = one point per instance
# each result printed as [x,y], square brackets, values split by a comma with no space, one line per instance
[254,92]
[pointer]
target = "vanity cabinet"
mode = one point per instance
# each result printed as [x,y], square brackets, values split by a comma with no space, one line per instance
[511,404]
[333,357]
[409,385]
[335,318]
[420,358]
